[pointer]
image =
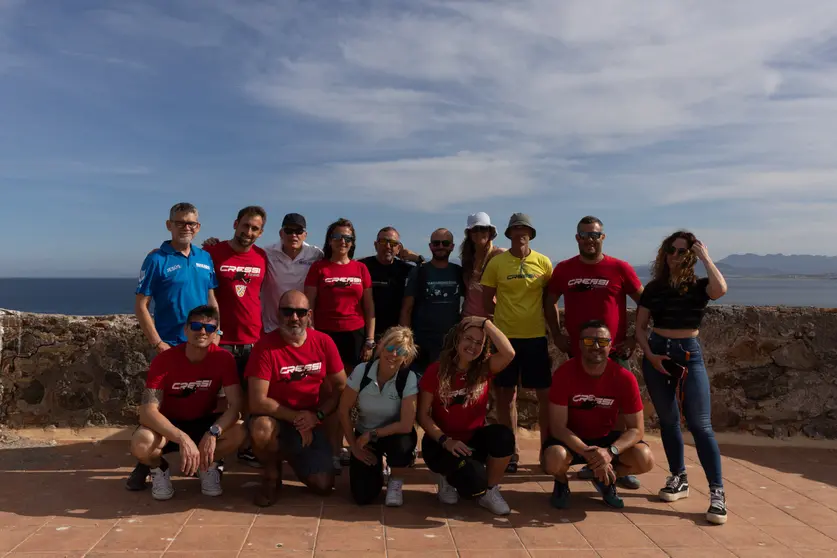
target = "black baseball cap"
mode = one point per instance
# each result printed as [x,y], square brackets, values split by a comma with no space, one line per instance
[294,220]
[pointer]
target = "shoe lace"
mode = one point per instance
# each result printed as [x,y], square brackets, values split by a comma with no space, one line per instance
[494,495]
[212,476]
[159,479]
[716,499]
[673,482]
[395,484]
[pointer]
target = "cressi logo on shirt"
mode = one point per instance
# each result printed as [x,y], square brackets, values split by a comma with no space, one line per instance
[297,372]
[185,389]
[593,401]
[342,281]
[522,276]
[587,283]
[247,270]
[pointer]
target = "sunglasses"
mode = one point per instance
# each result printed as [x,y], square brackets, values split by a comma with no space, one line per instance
[291,231]
[400,351]
[672,250]
[197,326]
[595,235]
[345,237]
[444,243]
[600,341]
[388,242]
[287,311]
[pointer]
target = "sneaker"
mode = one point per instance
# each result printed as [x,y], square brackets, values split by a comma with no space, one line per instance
[493,501]
[717,512]
[211,481]
[586,473]
[560,495]
[161,488]
[677,487]
[609,495]
[512,466]
[137,478]
[336,464]
[395,495]
[628,481]
[249,458]
[447,493]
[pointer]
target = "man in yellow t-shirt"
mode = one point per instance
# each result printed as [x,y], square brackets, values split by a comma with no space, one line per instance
[518,278]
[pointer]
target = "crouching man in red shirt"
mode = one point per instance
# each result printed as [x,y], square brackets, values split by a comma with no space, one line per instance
[287,368]
[587,395]
[178,408]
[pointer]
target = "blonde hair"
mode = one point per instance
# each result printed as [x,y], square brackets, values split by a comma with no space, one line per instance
[477,375]
[401,337]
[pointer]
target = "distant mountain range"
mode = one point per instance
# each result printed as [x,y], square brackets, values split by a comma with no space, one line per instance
[770,265]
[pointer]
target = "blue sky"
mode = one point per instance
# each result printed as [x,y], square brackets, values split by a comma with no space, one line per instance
[715,116]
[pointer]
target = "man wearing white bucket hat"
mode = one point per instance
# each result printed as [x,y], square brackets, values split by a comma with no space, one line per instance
[476,251]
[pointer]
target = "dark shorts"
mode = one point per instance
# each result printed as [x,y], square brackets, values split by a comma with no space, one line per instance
[349,345]
[241,353]
[531,366]
[604,442]
[305,461]
[195,429]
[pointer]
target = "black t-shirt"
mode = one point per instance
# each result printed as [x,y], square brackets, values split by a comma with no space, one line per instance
[387,290]
[676,309]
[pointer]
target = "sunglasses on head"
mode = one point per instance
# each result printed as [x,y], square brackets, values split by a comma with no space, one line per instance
[346,237]
[600,341]
[197,326]
[399,351]
[287,311]
[444,243]
[293,231]
[388,241]
[672,250]
[595,235]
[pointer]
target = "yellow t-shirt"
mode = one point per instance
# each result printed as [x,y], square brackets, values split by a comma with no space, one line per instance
[520,284]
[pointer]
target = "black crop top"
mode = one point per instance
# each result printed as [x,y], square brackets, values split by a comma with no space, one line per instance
[671,309]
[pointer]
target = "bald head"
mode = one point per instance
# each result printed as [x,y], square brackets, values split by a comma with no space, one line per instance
[293,299]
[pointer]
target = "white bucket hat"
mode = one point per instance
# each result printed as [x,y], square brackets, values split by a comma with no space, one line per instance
[481,219]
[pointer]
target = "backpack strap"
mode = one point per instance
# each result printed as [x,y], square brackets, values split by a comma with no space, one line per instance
[401,381]
[366,379]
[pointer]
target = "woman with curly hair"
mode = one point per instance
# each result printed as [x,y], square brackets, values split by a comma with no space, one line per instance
[469,456]
[477,250]
[675,301]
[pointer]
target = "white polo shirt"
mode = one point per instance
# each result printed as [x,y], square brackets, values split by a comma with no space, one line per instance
[284,274]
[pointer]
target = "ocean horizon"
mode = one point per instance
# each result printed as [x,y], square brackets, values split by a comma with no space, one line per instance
[103,296]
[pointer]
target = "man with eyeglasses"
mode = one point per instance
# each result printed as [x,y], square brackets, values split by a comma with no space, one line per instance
[433,300]
[178,414]
[285,374]
[288,263]
[178,276]
[389,269]
[595,286]
[587,395]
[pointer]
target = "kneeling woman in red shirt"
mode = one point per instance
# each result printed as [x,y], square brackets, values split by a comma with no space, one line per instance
[469,456]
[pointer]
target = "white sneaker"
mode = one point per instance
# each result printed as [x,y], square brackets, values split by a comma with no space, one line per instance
[395,495]
[447,493]
[211,481]
[161,488]
[493,501]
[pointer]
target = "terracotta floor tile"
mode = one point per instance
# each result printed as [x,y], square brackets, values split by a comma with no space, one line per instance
[470,514]
[67,554]
[284,553]
[495,553]
[195,554]
[421,515]
[614,536]
[11,536]
[429,539]
[164,517]
[132,538]
[351,537]
[632,553]
[674,536]
[294,516]
[209,537]
[54,539]
[761,552]
[563,553]
[765,515]
[369,516]
[420,554]
[262,539]
[801,537]
[564,536]
[484,537]
[713,552]
[224,515]
[813,514]
[814,553]
[350,554]
[122,555]
[8,519]
[741,536]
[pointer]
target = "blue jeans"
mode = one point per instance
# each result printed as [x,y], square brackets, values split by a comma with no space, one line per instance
[697,407]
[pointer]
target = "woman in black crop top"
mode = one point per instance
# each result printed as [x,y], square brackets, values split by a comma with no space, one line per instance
[675,301]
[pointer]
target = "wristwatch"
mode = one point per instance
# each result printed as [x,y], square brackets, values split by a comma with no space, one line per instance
[373,435]
[613,451]
[370,343]
[320,415]
[215,430]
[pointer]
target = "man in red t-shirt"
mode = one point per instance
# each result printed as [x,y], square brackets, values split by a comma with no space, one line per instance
[240,267]
[178,408]
[587,395]
[284,379]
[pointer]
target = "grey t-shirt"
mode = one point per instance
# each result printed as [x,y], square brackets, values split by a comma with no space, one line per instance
[439,307]
[378,407]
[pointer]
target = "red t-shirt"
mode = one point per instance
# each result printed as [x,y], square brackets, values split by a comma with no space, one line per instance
[190,389]
[458,421]
[339,305]
[594,403]
[296,374]
[240,278]
[594,292]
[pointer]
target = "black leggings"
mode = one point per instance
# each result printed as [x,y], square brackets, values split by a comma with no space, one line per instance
[366,481]
[467,474]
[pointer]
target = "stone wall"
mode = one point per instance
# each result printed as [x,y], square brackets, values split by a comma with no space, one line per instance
[773,370]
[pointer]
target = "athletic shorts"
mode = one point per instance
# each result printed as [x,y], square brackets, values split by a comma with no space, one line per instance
[531,366]
[305,461]
[604,442]
[349,345]
[195,429]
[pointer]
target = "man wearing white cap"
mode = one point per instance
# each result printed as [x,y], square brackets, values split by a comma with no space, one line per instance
[476,251]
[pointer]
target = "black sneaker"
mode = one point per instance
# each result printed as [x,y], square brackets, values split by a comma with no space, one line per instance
[717,512]
[677,487]
[136,481]
[560,495]
[609,495]
[249,458]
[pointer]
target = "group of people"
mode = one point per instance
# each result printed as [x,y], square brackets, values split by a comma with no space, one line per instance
[318,347]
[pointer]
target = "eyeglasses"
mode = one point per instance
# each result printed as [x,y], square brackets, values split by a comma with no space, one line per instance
[595,235]
[400,351]
[347,238]
[444,243]
[197,326]
[290,231]
[388,242]
[600,341]
[287,311]
[672,250]
[184,224]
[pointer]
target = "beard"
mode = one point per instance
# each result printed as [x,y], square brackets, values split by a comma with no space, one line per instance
[294,331]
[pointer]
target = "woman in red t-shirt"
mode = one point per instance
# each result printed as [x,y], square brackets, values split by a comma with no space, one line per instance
[469,456]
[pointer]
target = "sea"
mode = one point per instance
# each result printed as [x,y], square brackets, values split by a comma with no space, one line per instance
[96,297]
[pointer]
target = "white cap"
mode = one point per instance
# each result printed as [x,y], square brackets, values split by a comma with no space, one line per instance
[480,219]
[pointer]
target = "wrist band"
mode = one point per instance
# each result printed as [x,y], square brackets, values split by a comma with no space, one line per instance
[442,439]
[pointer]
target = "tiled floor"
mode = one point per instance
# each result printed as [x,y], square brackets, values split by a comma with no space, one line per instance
[70,500]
